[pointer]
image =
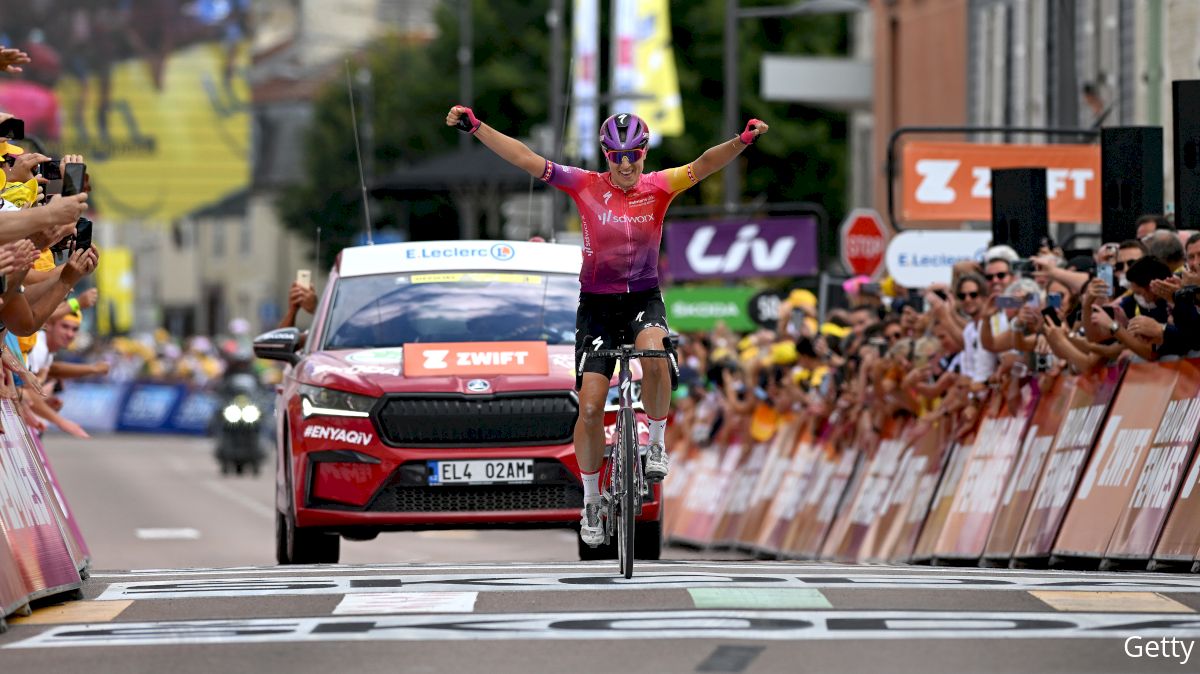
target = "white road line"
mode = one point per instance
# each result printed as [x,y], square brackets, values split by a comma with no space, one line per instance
[606,580]
[610,625]
[184,534]
[256,507]
[406,602]
[681,565]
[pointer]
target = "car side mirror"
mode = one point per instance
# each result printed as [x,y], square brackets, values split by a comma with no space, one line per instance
[279,344]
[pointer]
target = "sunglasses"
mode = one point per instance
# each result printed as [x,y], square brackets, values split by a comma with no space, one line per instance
[1120,266]
[1001,275]
[615,156]
[970,295]
[892,336]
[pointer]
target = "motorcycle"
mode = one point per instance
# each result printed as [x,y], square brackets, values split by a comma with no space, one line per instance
[237,426]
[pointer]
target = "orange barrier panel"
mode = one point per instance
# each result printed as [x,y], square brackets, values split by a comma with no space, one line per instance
[1018,495]
[683,468]
[844,470]
[1089,405]
[939,509]
[792,487]
[914,488]
[873,543]
[1157,484]
[741,485]
[870,496]
[709,493]
[1107,484]
[32,528]
[985,473]
[779,456]
[1180,539]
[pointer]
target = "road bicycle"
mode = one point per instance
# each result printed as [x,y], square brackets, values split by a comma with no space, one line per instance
[625,484]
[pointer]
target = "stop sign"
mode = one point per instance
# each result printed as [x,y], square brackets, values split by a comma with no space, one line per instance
[864,239]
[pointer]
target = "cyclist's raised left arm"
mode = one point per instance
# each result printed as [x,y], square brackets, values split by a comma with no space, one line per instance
[510,149]
[715,158]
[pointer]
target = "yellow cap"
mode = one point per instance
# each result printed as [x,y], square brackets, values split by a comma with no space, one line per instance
[783,353]
[803,299]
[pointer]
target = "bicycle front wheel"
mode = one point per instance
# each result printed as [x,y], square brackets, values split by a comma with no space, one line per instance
[630,490]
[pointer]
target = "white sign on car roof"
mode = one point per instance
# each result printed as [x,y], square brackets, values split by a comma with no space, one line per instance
[392,258]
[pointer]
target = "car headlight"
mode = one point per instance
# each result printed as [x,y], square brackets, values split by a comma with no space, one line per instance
[613,402]
[316,400]
[232,414]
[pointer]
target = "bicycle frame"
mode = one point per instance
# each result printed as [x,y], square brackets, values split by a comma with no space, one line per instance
[625,482]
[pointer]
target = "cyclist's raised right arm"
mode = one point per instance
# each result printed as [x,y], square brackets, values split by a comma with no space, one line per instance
[510,149]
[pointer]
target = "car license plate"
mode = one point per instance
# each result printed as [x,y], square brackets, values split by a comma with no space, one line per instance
[481,471]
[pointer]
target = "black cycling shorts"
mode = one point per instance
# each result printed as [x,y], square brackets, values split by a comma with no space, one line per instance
[615,319]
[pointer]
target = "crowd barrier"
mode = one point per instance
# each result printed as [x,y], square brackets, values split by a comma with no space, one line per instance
[1090,471]
[139,407]
[41,550]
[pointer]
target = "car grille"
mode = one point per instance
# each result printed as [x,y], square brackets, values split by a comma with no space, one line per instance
[399,498]
[478,421]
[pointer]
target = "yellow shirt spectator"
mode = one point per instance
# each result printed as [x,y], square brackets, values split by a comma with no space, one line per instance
[45,262]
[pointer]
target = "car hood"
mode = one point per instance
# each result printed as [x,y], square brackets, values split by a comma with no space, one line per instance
[375,372]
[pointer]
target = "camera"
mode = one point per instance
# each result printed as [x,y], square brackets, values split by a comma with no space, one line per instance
[1186,294]
[81,239]
[1023,267]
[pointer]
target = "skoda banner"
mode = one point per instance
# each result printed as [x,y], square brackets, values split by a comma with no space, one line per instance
[783,246]
[691,309]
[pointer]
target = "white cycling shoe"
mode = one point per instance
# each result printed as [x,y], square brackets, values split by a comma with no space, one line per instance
[657,463]
[591,523]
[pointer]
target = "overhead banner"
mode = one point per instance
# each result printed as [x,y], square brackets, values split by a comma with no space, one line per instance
[585,40]
[656,75]
[953,181]
[153,94]
[709,249]
[691,309]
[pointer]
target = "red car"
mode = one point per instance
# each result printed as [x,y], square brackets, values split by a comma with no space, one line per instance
[435,390]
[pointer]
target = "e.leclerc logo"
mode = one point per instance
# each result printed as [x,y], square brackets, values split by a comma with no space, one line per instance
[503,252]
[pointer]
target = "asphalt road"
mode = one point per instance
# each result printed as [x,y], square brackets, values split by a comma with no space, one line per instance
[196,592]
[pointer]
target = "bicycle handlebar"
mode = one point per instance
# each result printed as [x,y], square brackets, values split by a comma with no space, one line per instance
[630,353]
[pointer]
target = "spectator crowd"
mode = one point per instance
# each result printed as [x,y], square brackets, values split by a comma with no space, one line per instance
[1001,325]
[45,252]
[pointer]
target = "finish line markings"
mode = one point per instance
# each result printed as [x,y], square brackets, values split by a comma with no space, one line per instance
[315,585]
[184,534]
[638,625]
[406,602]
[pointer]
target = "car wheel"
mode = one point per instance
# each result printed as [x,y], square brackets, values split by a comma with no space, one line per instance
[239,467]
[647,540]
[313,547]
[226,468]
[281,539]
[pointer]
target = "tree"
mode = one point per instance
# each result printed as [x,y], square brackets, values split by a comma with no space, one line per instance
[802,159]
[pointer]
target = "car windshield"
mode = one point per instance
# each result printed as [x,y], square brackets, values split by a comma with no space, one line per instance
[394,309]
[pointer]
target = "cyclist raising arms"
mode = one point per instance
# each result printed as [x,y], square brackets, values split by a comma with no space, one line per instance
[622,213]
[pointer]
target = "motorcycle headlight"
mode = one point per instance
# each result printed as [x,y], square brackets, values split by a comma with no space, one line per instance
[232,414]
[613,402]
[251,414]
[316,400]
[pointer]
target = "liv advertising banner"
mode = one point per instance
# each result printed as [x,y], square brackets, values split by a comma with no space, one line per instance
[707,249]
[691,309]
[953,181]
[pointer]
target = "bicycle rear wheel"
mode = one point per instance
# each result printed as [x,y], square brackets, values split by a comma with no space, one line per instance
[630,496]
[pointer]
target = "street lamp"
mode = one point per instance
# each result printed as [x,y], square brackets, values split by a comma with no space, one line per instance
[733,12]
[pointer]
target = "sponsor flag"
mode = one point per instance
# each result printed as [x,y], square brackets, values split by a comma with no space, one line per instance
[585,85]
[114,280]
[624,38]
[656,75]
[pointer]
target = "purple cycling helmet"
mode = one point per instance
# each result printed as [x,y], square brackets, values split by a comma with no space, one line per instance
[624,131]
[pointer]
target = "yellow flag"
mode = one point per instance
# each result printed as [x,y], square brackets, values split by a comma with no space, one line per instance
[657,76]
[114,282]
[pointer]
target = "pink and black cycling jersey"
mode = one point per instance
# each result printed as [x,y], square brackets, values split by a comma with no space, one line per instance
[622,230]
